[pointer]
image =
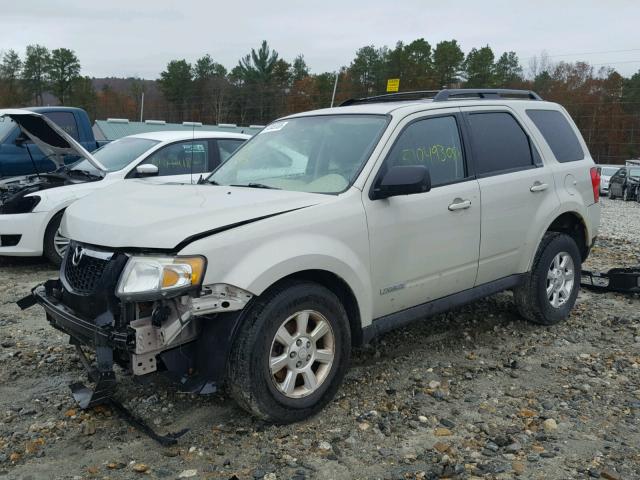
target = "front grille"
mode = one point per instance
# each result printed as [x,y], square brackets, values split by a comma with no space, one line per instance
[83,270]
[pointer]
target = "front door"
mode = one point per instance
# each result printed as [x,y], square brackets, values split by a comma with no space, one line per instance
[425,246]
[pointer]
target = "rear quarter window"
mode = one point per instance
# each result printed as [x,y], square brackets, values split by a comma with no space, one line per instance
[558,133]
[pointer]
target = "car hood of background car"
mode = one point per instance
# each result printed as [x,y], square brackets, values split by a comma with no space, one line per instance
[139,215]
[52,140]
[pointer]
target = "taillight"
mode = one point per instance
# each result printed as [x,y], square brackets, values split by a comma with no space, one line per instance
[595,183]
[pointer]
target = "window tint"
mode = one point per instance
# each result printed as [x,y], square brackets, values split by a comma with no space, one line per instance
[499,143]
[181,158]
[434,143]
[227,146]
[66,121]
[556,130]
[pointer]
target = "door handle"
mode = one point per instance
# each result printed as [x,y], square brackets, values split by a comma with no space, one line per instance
[459,204]
[538,187]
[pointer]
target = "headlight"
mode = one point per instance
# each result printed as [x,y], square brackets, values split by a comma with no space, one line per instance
[19,204]
[149,276]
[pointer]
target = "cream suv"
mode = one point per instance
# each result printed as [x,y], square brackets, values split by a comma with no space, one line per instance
[325,230]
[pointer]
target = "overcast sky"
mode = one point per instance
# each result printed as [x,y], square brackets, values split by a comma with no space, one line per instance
[138,37]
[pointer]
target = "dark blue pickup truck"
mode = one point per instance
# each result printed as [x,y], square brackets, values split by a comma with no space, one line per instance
[19,156]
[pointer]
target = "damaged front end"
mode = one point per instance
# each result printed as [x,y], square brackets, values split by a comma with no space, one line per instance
[184,331]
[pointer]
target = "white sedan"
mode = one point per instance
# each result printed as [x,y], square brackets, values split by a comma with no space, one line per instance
[32,206]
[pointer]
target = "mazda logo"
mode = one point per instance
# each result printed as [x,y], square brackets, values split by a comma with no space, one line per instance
[78,253]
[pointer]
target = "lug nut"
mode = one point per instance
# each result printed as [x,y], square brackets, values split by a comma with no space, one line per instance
[298,342]
[292,354]
[308,344]
[308,357]
[299,364]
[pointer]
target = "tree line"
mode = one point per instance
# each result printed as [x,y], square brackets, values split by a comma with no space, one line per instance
[263,86]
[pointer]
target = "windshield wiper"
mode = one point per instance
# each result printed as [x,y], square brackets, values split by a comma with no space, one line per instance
[257,185]
[84,173]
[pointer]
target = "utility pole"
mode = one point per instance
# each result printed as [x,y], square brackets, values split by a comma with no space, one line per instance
[335,86]
[142,108]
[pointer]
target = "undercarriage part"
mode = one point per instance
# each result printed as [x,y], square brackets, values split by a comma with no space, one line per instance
[102,394]
[622,280]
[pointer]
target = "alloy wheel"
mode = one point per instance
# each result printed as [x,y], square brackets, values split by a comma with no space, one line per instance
[60,243]
[302,353]
[560,279]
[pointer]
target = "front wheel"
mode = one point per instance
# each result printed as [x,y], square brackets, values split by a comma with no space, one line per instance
[55,244]
[291,352]
[550,290]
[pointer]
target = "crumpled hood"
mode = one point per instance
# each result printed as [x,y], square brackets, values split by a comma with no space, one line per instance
[137,214]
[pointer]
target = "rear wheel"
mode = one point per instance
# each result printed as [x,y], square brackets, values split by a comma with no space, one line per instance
[291,352]
[551,288]
[55,244]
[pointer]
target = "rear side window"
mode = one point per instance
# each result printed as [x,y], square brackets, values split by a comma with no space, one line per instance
[227,146]
[499,143]
[434,143]
[66,121]
[556,130]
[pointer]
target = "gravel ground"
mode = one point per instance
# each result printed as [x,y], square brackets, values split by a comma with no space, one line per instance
[476,393]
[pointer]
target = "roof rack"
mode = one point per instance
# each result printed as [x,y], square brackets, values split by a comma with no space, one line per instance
[393,97]
[446,94]
[484,93]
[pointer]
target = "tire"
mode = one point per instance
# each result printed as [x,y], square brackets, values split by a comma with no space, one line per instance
[531,298]
[53,254]
[261,391]
[611,195]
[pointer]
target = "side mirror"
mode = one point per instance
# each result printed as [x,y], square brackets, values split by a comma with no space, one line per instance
[146,170]
[402,180]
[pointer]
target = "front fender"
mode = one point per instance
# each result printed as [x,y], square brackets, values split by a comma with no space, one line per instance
[274,260]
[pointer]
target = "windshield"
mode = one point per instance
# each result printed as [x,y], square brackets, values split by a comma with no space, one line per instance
[117,154]
[634,172]
[6,125]
[609,171]
[320,154]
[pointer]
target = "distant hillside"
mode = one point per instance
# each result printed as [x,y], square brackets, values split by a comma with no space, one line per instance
[124,85]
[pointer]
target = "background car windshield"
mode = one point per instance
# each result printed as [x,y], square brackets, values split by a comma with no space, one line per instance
[321,154]
[609,171]
[6,125]
[634,172]
[117,154]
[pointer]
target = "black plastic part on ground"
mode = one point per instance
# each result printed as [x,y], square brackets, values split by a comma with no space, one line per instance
[622,280]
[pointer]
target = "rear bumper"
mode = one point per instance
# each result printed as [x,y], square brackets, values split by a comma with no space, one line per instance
[30,227]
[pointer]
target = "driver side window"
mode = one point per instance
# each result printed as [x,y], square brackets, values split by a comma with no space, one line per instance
[180,158]
[434,143]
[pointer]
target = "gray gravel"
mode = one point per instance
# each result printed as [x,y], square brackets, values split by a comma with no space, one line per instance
[476,393]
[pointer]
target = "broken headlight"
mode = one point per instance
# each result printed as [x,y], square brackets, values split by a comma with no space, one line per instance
[156,277]
[19,204]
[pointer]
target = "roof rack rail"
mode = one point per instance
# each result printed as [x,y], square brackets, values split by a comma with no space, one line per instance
[393,97]
[446,94]
[484,93]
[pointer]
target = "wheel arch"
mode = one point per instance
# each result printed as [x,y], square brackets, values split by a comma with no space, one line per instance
[340,288]
[573,224]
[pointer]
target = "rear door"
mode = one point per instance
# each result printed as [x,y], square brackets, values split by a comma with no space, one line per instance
[516,188]
[425,246]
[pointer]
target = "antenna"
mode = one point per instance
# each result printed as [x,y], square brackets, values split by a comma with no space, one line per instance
[193,140]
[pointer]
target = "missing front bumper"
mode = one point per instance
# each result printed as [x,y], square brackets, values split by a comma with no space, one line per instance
[621,280]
